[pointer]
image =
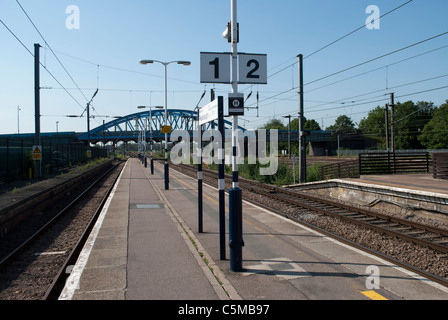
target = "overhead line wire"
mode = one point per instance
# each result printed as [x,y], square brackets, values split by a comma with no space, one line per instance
[43,38]
[356,30]
[339,39]
[359,64]
[29,51]
[377,58]
[376,69]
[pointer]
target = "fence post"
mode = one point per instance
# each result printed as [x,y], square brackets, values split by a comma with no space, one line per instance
[359,164]
[395,164]
[388,162]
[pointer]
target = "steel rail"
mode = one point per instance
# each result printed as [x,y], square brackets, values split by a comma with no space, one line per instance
[35,235]
[54,289]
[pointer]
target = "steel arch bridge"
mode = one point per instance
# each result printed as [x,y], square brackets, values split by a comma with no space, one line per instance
[129,127]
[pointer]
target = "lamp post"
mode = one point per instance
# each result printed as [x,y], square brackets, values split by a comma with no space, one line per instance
[165,64]
[150,132]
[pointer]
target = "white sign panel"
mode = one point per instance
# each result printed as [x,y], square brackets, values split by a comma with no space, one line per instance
[215,67]
[253,68]
[209,112]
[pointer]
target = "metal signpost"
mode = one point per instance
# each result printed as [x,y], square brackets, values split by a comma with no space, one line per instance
[221,181]
[223,68]
[236,242]
[211,112]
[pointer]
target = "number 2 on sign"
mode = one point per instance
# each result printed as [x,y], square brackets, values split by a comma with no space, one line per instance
[250,74]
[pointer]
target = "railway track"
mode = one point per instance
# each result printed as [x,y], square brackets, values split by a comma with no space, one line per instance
[416,233]
[36,269]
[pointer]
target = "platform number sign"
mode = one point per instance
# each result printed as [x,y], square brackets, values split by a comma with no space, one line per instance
[252,68]
[216,68]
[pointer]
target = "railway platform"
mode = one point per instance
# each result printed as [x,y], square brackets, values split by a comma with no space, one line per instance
[146,246]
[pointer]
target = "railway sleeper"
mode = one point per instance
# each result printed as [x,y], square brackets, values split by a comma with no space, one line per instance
[416,233]
[368,219]
[402,229]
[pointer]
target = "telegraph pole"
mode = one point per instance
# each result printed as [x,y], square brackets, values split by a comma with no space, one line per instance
[392,131]
[37,163]
[386,110]
[302,138]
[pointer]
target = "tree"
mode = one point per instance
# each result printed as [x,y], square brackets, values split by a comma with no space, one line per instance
[311,125]
[274,124]
[307,124]
[410,120]
[343,124]
[374,125]
[435,132]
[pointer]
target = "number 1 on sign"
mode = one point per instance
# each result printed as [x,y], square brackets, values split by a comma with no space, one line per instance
[215,63]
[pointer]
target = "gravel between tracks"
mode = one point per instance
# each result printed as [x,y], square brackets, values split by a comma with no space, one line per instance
[30,278]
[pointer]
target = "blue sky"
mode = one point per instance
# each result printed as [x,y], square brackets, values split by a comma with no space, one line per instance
[115,34]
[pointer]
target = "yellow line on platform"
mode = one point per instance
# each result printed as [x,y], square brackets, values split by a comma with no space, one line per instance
[203,194]
[373,295]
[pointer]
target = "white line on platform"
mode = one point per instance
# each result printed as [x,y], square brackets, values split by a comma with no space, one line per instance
[72,282]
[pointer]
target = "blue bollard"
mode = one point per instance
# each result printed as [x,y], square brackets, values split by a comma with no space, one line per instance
[236,242]
[167,176]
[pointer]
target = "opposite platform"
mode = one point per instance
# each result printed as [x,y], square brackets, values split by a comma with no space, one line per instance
[148,247]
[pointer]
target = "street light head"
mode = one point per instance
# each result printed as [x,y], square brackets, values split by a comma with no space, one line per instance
[185,63]
[146,61]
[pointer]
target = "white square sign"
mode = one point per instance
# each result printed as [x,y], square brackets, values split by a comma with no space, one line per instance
[209,112]
[252,68]
[215,67]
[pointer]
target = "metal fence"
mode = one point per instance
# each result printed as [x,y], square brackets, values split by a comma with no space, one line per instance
[440,165]
[393,163]
[16,157]
[379,163]
[343,169]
